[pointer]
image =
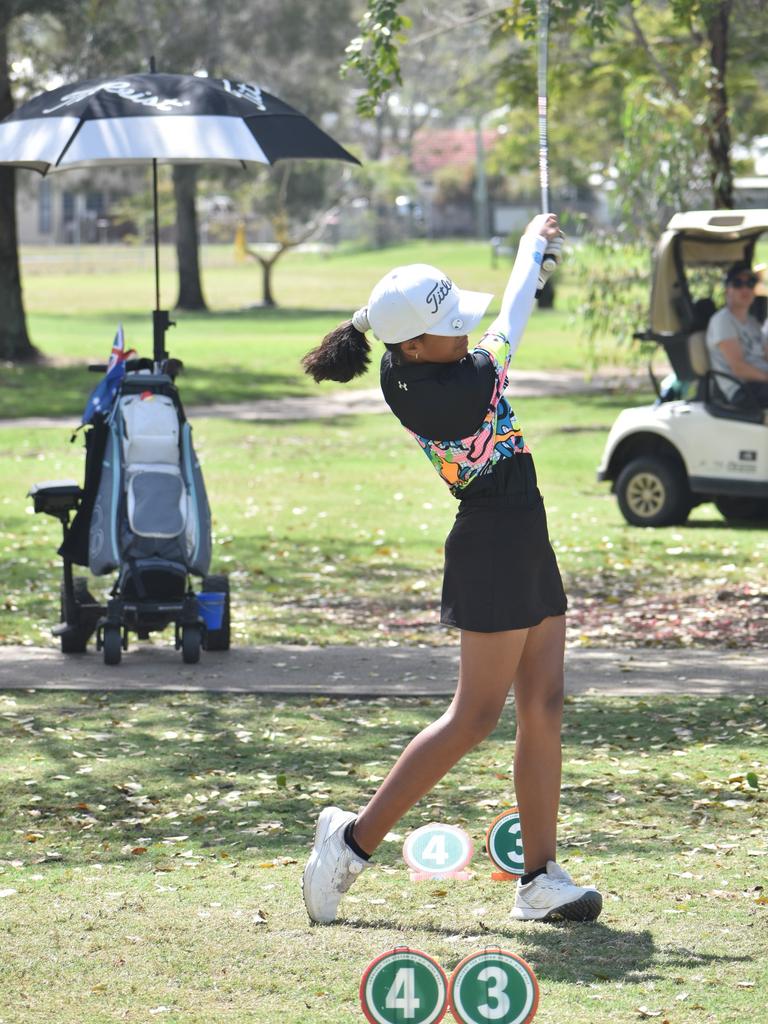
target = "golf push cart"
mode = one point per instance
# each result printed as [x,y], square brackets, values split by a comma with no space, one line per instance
[693,445]
[142,512]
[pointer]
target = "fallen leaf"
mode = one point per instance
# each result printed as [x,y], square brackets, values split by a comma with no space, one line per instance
[278,862]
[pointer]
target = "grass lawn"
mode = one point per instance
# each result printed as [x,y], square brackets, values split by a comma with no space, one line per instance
[332,532]
[151,849]
[235,353]
[151,845]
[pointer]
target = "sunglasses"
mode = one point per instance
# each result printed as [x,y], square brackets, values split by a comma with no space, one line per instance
[743,282]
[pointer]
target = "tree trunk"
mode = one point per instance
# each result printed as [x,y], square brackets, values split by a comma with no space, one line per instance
[187,244]
[14,339]
[718,126]
[268,298]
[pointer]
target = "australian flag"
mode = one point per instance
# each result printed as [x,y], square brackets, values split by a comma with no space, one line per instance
[103,395]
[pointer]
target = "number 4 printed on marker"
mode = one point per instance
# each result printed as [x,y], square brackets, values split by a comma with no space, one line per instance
[402,994]
[435,850]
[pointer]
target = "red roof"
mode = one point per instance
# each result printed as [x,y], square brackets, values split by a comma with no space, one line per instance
[451,147]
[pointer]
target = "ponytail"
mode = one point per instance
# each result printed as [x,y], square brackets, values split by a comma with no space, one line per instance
[344,353]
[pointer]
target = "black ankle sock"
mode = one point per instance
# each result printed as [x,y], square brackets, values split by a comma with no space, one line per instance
[350,841]
[533,874]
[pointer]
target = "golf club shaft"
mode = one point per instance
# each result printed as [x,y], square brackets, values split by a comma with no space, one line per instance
[543,32]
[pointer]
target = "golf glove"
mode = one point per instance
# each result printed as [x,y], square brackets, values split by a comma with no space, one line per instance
[553,254]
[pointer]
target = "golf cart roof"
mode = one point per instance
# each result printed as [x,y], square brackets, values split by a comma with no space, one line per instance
[697,238]
[719,223]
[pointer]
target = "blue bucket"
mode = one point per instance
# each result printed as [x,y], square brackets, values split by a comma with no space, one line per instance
[211,607]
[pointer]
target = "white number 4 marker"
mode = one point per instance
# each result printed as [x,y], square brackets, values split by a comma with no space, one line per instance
[402,994]
[435,850]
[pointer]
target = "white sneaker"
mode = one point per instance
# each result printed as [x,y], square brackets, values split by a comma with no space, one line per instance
[331,868]
[554,897]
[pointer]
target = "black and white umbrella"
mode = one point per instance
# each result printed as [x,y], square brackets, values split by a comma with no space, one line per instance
[160,118]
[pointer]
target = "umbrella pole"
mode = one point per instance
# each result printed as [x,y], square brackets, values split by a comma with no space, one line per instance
[161,320]
[157,235]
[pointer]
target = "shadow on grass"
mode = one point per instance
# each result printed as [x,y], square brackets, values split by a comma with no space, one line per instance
[571,952]
[136,766]
[49,390]
[718,523]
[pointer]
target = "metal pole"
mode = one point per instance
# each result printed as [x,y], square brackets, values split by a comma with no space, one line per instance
[157,235]
[160,318]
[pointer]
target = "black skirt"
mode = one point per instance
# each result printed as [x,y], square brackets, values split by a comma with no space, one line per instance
[500,570]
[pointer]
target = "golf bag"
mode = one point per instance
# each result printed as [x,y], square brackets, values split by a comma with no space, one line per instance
[150,516]
[142,512]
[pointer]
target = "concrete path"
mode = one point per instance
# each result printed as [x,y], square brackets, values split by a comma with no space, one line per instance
[375,671]
[523,384]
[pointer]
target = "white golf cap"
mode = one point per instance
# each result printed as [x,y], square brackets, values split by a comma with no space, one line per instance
[420,299]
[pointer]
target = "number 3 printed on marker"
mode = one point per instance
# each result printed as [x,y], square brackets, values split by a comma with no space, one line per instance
[497,983]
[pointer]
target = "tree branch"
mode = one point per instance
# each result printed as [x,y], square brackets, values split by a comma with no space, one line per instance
[643,41]
[455,23]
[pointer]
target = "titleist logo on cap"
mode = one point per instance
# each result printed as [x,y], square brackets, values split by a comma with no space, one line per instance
[437,294]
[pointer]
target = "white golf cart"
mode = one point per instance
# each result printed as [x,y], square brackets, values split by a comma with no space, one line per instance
[666,458]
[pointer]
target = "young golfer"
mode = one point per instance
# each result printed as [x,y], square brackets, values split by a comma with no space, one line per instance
[501,584]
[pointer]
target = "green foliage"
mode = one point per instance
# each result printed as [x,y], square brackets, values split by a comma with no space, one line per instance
[374,53]
[137,205]
[458,185]
[597,17]
[660,164]
[613,279]
[384,180]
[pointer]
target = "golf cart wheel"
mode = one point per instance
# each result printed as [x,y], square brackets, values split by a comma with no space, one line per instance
[742,510]
[218,639]
[653,492]
[75,641]
[190,644]
[112,645]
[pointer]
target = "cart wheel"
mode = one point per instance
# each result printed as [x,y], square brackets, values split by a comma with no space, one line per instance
[190,644]
[218,639]
[653,492]
[75,641]
[112,645]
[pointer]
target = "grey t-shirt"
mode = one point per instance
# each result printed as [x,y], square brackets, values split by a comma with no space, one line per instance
[724,325]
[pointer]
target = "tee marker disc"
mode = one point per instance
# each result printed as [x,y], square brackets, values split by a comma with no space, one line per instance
[493,985]
[437,851]
[504,846]
[404,985]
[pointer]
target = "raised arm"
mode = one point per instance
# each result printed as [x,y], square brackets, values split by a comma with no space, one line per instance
[517,301]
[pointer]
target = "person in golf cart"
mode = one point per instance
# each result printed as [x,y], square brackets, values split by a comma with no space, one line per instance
[735,340]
